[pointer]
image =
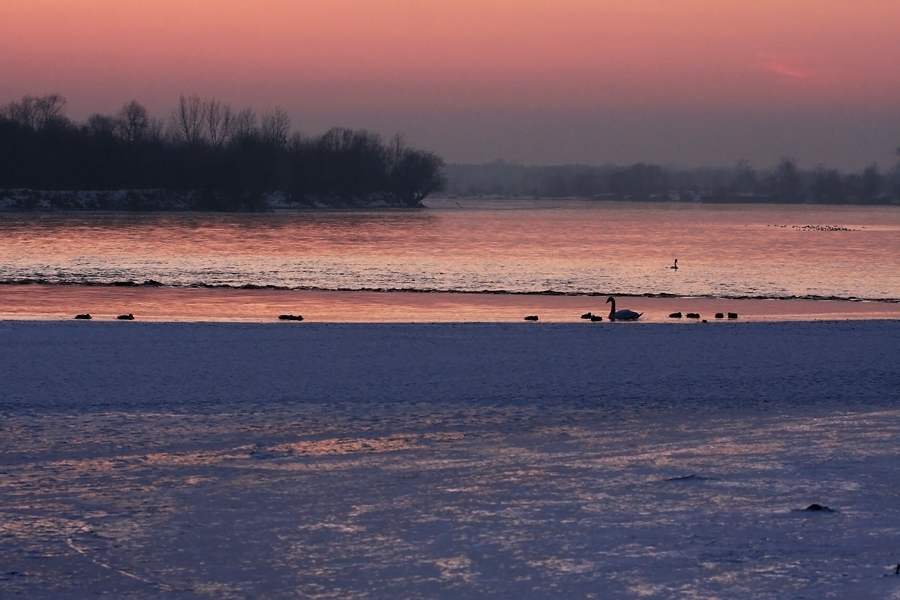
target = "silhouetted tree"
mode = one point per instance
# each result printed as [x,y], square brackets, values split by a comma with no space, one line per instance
[50,111]
[741,183]
[868,186]
[417,175]
[186,123]
[828,186]
[135,122]
[555,186]
[638,181]
[744,178]
[786,183]
[103,126]
[276,127]
[219,122]
[37,112]
[245,124]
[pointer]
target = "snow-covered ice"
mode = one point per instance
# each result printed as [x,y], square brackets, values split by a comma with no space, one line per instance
[184,460]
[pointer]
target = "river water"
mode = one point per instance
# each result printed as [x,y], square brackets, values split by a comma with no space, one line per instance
[502,247]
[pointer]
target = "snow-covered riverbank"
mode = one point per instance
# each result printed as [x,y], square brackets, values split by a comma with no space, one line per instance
[237,460]
[161,200]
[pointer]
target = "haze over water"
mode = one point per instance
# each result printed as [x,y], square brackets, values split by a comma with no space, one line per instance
[569,247]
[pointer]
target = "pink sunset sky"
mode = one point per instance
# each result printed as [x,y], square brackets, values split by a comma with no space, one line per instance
[683,82]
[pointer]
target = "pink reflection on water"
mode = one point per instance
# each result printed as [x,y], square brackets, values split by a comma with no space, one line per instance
[475,245]
[52,302]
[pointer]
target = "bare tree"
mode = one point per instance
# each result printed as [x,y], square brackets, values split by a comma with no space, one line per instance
[134,122]
[187,120]
[396,148]
[156,129]
[36,112]
[276,127]
[219,122]
[245,124]
[21,112]
[50,110]
[103,125]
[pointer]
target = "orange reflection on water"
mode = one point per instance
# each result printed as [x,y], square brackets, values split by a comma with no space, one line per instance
[61,302]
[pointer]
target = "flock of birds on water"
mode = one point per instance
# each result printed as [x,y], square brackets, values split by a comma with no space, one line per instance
[624,314]
[816,227]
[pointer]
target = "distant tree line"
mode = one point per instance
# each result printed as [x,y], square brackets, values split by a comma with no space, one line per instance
[233,158]
[785,183]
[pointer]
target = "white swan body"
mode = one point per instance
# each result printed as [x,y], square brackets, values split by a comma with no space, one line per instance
[621,315]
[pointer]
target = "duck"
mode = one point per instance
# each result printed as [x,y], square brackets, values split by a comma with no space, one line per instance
[621,315]
[675,266]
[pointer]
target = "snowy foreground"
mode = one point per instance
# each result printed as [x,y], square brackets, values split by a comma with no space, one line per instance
[183,460]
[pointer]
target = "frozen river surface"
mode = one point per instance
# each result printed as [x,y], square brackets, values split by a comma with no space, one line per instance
[449,461]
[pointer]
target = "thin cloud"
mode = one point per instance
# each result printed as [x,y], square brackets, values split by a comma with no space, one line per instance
[778,64]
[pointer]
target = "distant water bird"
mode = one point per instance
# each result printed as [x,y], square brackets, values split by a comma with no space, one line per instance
[732,315]
[290,318]
[85,317]
[816,507]
[128,317]
[675,315]
[586,315]
[720,316]
[531,318]
[595,318]
[675,266]
[693,315]
[621,315]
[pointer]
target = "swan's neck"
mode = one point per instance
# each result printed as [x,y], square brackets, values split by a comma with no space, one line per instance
[612,311]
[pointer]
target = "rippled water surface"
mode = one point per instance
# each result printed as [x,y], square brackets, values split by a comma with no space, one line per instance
[579,247]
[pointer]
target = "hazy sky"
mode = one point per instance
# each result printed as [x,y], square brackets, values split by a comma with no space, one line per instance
[684,82]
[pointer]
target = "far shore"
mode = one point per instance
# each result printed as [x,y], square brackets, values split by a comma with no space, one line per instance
[62,302]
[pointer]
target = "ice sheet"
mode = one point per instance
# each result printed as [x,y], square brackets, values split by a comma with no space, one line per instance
[446,461]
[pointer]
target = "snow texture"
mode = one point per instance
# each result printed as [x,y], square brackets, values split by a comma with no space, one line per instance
[186,460]
[27,200]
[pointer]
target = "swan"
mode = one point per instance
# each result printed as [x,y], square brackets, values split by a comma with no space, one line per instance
[675,266]
[621,315]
